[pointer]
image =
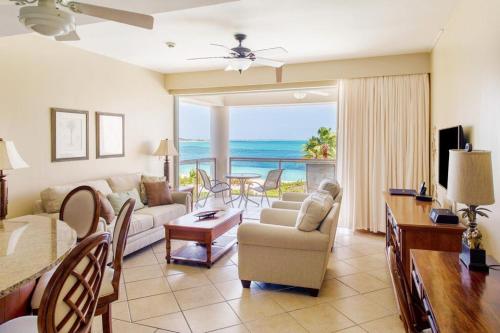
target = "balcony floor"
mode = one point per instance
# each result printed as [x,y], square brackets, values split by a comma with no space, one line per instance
[252,211]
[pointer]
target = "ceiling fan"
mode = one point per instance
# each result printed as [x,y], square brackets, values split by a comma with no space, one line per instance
[46,17]
[240,58]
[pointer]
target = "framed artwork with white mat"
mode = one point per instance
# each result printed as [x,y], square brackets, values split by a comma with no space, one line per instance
[110,134]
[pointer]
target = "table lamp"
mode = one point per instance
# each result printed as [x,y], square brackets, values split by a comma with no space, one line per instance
[166,149]
[470,182]
[9,160]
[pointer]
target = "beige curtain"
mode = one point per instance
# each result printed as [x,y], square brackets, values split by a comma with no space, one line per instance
[383,142]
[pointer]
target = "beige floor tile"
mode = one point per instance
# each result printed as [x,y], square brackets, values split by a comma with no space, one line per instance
[233,289]
[186,281]
[196,297]
[382,274]
[171,322]
[142,273]
[255,307]
[159,247]
[211,317]
[333,289]
[321,318]
[384,297]
[282,323]
[144,288]
[360,309]
[173,269]
[362,282]
[345,252]
[354,329]
[120,310]
[368,263]
[124,327]
[224,261]
[152,306]
[340,268]
[143,257]
[122,293]
[234,258]
[391,324]
[222,274]
[233,329]
[294,299]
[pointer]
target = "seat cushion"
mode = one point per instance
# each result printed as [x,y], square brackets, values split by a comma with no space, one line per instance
[330,185]
[164,214]
[138,223]
[36,298]
[26,324]
[107,286]
[313,210]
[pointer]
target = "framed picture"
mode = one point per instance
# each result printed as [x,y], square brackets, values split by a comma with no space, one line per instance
[69,135]
[110,134]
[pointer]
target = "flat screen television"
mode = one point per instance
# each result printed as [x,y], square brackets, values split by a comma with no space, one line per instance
[449,138]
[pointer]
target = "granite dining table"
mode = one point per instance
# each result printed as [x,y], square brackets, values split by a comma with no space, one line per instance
[29,246]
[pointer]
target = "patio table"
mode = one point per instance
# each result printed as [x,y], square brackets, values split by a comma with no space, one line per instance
[242,178]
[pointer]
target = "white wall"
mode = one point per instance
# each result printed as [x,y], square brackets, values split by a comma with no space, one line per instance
[37,73]
[466,90]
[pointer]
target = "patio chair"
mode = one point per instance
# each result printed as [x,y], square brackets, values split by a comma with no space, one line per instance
[213,186]
[272,182]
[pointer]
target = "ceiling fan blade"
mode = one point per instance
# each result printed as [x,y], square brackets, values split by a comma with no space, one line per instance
[319,93]
[220,45]
[71,36]
[271,50]
[111,14]
[202,58]
[269,62]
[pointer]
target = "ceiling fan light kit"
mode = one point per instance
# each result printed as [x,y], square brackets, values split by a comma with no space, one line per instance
[47,20]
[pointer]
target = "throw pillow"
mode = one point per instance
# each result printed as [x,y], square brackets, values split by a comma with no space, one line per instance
[330,185]
[314,210]
[158,194]
[107,211]
[149,179]
[118,199]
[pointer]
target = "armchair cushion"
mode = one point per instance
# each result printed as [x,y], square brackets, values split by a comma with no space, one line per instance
[283,217]
[295,205]
[294,196]
[330,185]
[314,210]
[275,236]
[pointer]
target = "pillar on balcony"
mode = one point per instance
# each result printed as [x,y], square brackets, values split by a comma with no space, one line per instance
[219,136]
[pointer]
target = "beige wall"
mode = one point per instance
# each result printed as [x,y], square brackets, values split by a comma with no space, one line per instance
[37,73]
[294,75]
[466,89]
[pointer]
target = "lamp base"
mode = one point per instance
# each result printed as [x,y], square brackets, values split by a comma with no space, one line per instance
[473,259]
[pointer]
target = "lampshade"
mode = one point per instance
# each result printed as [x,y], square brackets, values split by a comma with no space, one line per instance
[9,157]
[166,148]
[470,177]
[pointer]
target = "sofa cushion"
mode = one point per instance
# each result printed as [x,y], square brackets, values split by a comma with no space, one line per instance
[164,214]
[52,197]
[118,199]
[106,212]
[330,185]
[123,183]
[158,194]
[149,179]
[314,210]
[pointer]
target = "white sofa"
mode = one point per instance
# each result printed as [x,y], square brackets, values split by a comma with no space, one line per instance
[146,226]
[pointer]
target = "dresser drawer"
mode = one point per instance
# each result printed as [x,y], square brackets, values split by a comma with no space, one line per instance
[430,315]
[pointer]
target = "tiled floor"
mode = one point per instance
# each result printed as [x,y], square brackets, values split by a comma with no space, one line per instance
[356,295]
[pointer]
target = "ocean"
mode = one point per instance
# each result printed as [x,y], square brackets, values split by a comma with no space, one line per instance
[269,149]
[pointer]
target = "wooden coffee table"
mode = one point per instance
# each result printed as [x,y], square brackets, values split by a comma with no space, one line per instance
[210,234]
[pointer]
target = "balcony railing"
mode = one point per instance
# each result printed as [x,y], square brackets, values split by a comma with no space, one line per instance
[208,164]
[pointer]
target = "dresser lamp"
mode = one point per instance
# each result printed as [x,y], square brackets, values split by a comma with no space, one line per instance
[470,182]
[166,149]
[9,160]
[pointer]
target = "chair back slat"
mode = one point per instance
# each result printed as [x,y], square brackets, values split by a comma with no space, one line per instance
[205,179]
[120,233]
[273,179]
[80,210]
[70,298]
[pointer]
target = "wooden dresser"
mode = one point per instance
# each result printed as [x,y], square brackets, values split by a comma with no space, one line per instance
[408,227]
[454,298]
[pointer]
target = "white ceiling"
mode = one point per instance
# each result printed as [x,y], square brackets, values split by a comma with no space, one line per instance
[311,30]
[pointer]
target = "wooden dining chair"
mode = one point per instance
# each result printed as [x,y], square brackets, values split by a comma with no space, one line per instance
[80,210]
[111,284]
[414,319]
[70,299]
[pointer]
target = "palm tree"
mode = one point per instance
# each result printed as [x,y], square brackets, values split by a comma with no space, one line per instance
[323,145]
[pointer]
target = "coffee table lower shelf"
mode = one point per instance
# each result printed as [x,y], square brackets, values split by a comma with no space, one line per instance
[197,252]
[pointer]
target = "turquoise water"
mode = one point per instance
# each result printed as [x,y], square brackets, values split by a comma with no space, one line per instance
[269,149]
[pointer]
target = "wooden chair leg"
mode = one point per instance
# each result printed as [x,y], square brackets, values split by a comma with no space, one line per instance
[107,326]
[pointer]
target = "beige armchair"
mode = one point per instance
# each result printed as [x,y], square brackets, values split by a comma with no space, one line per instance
[275,251]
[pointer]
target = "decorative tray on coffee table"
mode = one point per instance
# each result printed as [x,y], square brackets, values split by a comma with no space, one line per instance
[207,214]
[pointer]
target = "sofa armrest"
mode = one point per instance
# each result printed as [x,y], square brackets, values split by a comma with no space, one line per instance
[294,205]
[183,198]
[275,236]
[38,207]
[283,217]
[294,196]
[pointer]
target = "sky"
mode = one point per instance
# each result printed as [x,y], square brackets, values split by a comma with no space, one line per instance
[293,122]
